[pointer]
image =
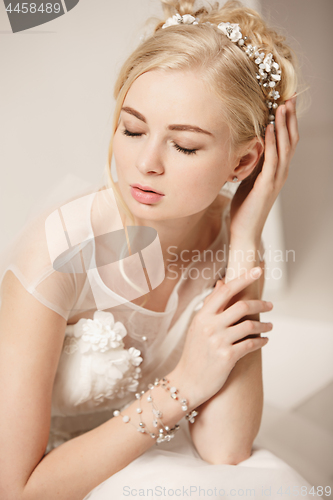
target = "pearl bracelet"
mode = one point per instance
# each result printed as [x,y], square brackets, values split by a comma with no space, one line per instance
[126,418]
[174,394]
[164,432]
[169,433]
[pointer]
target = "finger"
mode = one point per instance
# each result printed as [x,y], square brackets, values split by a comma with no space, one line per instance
[242,308]
[292,123]
[217,285]
[249,345]
[220,298]
[271,156]
[247,327]
[283,143]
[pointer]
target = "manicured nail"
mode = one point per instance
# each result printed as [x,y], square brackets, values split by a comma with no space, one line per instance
[283,110]
[256,272]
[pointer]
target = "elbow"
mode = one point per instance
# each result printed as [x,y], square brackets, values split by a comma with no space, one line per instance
[237,459]
[225,450]
[223,457]
[229,459]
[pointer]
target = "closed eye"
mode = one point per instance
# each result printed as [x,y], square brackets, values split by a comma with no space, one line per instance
[130,134]
[179,148]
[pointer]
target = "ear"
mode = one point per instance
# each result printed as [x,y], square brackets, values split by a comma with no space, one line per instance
[248,158]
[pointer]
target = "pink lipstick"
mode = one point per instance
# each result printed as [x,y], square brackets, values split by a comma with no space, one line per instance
[145,194]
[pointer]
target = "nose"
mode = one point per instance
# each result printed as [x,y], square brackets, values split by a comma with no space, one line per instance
[149,159]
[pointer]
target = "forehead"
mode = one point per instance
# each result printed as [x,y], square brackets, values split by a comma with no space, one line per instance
[176,97]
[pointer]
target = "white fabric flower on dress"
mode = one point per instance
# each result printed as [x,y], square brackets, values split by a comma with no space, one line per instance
[99,334]
[106,369]
[232,31]
[178,19]
[135,356]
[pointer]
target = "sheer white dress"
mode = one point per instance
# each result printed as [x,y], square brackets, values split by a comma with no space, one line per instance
[114,347]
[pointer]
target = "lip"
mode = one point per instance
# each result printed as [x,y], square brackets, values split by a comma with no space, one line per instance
[146,188]
[145,197]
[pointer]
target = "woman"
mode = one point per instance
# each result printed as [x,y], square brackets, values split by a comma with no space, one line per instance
[194,103]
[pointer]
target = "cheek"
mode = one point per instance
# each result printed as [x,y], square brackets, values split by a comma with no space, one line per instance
[200,187]
[208,176]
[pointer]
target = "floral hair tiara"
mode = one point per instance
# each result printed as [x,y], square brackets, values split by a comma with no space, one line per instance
[269,73]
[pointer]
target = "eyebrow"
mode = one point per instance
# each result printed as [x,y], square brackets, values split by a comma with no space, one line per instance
[188,128]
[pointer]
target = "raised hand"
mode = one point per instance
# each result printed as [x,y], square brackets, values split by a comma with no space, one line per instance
[211,349]
[252,202]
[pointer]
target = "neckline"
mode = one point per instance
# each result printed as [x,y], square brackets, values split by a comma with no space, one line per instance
[174,292]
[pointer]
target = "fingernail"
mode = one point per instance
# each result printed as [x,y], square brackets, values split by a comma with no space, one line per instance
[256,272]
[283,110]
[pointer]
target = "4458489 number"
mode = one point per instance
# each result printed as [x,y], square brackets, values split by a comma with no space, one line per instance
[31,8]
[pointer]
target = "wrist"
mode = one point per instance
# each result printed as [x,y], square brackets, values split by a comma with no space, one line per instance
[246,241]
[185,388]
[152,413]
[244,253]
[243,256]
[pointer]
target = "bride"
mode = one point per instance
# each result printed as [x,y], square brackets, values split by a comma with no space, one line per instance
[207,100]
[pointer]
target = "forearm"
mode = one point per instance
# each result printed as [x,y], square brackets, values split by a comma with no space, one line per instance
[74,468]
[229,422]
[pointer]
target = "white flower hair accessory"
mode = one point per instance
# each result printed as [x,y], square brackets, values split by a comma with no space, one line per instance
[232,31]
[178,19]
[269,72]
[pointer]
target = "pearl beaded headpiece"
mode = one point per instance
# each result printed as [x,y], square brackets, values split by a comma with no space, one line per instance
[269,73]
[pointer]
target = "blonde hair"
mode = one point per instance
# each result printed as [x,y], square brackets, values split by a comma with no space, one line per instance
[224,66]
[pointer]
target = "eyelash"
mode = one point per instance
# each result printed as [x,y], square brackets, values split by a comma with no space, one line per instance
[182,150]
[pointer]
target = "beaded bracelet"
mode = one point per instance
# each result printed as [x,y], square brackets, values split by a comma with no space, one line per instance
[164,433]
[174,394]
[158,414]
[127,419]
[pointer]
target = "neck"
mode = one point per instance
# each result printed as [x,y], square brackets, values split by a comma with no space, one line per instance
[180,237]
